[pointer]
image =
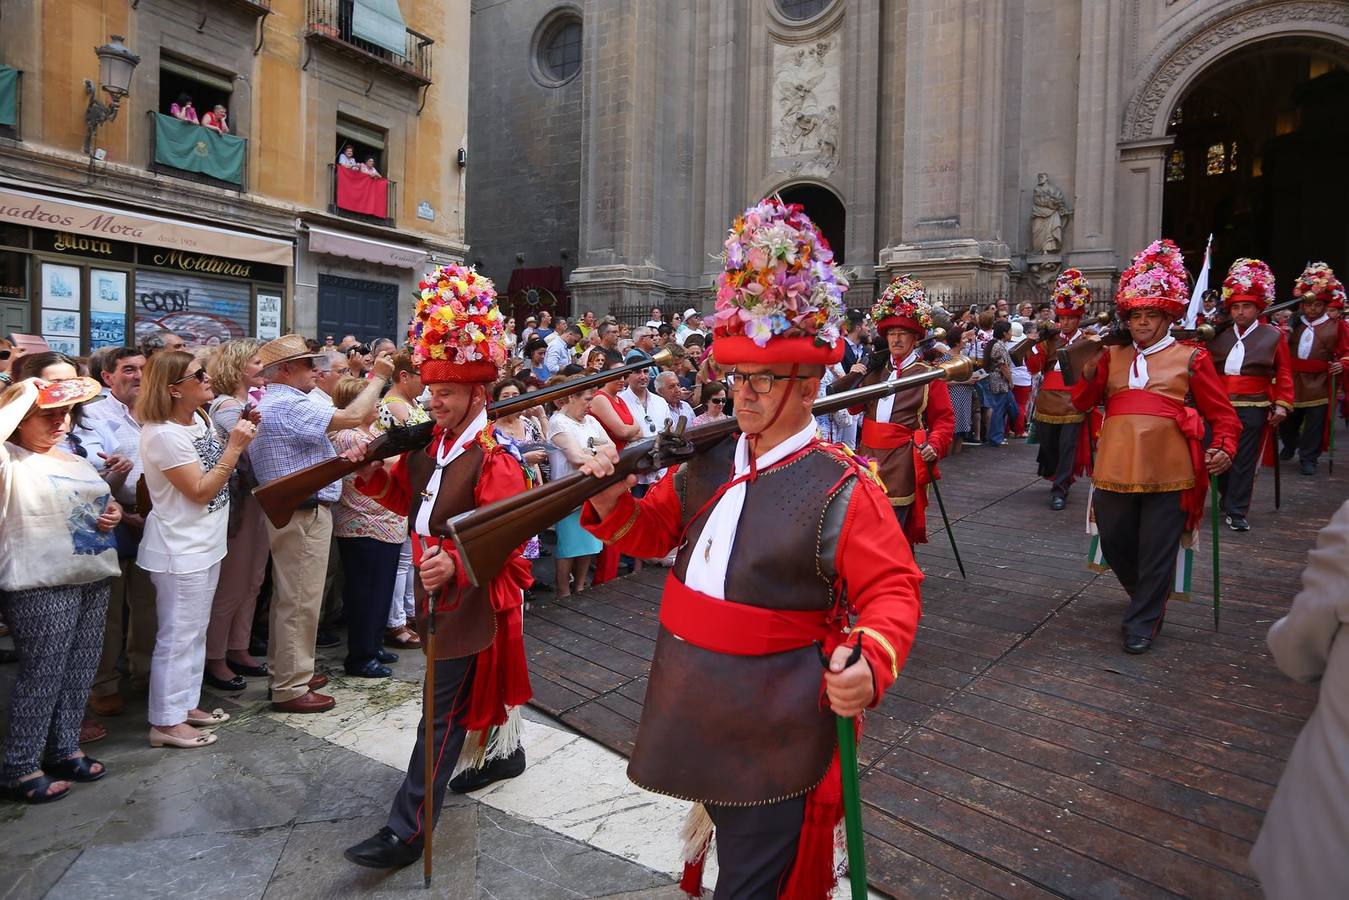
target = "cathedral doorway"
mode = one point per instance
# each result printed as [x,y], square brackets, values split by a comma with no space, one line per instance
[825,209]
[1258,161]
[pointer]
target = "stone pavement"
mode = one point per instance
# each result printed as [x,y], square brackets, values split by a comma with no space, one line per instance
[266,812]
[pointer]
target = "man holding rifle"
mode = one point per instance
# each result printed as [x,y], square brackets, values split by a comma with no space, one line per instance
[1319,351]
[479,671]
[906,432]
[778,539]
[1251,358]
[1061,430]
[1151,472]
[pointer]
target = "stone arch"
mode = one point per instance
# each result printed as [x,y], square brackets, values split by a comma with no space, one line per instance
[1318,27]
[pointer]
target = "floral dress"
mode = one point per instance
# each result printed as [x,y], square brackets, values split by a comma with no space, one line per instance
[532,474]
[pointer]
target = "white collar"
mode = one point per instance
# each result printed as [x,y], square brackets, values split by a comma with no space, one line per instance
[446,452]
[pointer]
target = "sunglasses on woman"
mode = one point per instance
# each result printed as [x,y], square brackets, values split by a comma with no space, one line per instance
[200,375]
[720,401]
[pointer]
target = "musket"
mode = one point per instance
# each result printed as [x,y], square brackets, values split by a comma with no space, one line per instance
[486,537]
[280,498]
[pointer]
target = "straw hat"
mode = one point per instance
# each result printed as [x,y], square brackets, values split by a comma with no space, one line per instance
[287,348]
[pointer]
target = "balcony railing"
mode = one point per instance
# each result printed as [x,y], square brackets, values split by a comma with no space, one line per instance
[197,153]
[11,102]
[356,195]
[328,22]
[256,7]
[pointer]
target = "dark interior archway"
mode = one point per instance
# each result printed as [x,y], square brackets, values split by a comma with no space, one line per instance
[1258,161]
[825,210]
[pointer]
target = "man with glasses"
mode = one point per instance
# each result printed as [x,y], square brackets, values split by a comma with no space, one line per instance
[651,412]
[294,435]
[778,537]
[907,432]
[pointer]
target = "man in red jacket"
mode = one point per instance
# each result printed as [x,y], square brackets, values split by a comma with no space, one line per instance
[1151,472]
[1251,358]
[783,542]
[906,433]
[1319,351]
[1062,431]
[480,669]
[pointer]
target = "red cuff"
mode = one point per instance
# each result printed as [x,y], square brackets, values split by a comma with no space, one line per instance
[615,525]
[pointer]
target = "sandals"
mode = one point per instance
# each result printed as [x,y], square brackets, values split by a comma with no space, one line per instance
[217,717]
[160,739]
[77,768]
[402,638]
[91,730]
[32,790]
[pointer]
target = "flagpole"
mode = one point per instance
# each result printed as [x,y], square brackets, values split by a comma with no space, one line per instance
[1200,287]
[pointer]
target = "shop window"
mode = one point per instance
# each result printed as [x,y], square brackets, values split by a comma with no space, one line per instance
[13,275]
[1216,160]
[1175,166]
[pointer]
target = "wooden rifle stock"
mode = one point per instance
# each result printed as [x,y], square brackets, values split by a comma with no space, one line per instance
[280,498]
[486,537]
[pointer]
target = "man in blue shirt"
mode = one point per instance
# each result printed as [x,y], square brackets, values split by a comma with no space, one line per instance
[293,435]
[559,354]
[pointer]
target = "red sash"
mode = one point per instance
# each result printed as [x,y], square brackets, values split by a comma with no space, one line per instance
[1245,384]
[1140,402]
[887,436]
[1309,366]
[1053,381]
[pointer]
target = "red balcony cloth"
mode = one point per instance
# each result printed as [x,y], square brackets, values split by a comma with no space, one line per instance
[362,193]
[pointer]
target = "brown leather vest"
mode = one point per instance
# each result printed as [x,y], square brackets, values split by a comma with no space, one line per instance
[1139,453]
[896,463]
[1261,345]
[1313,388]
[748,730]
[470,625]
[1054,402]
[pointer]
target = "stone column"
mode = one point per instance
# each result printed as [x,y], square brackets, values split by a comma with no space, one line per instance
[1140,177]
[1094,247]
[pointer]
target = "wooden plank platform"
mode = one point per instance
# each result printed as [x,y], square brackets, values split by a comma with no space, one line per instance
[1022,753]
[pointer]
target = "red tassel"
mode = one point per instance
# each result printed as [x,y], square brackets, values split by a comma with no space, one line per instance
[692,882]
[500,676]
[812,873]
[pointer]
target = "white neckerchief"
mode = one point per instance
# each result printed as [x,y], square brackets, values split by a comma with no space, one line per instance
[1304,340]
[1138,371]
[707,564]
[446,453]
[1236,357]
[886,405]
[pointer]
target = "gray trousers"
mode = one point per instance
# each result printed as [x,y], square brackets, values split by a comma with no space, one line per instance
[58,632]
[1305,431]
[1058,449]
[1140,534]
[454,678]
[755,847]
[1236,484]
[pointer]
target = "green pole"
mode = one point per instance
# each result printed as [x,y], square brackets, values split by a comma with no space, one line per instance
[852,807]
[1330,423]
[1217,586]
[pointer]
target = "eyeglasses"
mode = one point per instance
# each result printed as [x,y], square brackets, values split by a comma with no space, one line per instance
[200,375]
[720,401]
[759,382]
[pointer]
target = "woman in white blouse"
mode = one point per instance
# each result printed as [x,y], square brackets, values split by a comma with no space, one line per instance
[187,471]
[575,436]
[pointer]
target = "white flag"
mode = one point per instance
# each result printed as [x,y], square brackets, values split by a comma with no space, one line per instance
[1200,287]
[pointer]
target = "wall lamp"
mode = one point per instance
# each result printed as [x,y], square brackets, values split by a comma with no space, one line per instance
[115,65]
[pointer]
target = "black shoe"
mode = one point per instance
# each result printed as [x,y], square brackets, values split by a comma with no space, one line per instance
[234,684]
[372,669]
[497,770]
[384,851]
[1238,523]
[1287,453]
[1308,468]
[1137,644]
[386,656]
[326,638]
[1058,503]
[248,671]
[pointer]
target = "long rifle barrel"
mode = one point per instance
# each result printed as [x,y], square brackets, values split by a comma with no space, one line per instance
[280,498]
[486,536]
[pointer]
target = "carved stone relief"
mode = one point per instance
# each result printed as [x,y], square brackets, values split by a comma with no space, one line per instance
[805,114]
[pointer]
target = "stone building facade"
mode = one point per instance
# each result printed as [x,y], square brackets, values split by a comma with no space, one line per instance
[275,243]
[982,145]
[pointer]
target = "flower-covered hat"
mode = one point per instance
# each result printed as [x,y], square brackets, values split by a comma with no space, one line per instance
[903,304]
[457,333]
[1318,282]
[1071,294]
[1248,281]
[1156,280]
[779,297]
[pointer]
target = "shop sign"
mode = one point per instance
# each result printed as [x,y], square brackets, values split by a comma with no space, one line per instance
[71,244]
[204,264]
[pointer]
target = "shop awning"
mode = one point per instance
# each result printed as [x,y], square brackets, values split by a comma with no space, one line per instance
[336,243]
[42,211]
[380,22]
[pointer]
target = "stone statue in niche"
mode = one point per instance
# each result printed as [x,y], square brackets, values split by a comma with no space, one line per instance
[1049,216]
[805,108]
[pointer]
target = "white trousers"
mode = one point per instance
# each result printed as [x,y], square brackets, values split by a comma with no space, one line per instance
[184,606]
[404,603]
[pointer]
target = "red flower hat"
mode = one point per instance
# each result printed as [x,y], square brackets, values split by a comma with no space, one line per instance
[1156,280]
[1248,281]
[903,304]
[1318,282]
[457,333]
[1071,294]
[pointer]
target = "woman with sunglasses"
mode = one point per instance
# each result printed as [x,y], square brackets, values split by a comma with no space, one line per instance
[187,471]
[57,559]
[714,403]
